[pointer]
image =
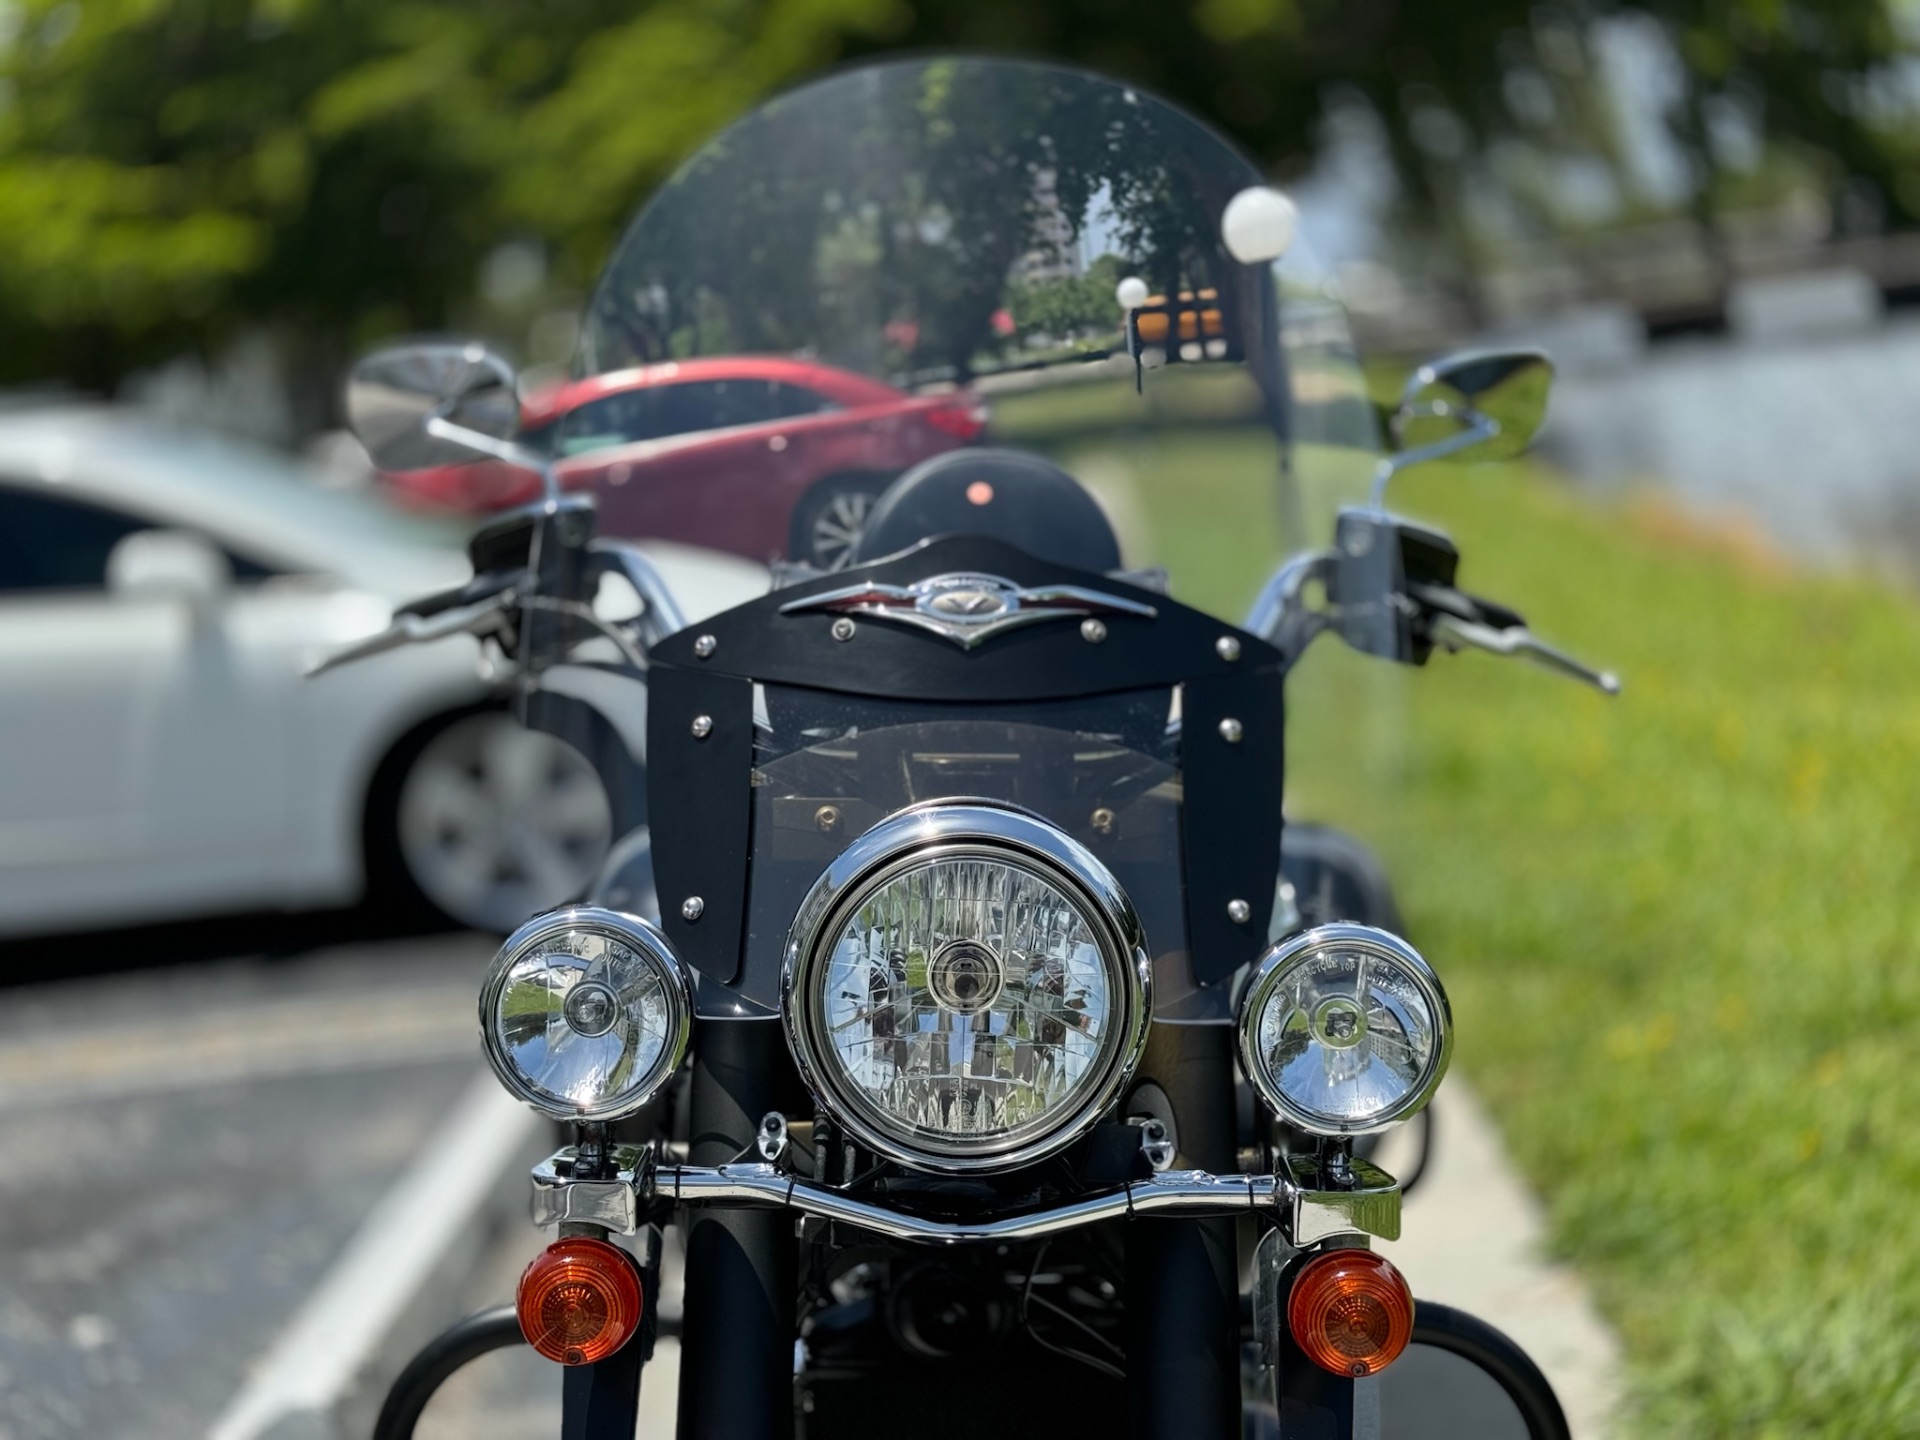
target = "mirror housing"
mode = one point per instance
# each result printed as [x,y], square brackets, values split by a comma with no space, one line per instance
[1477,405]
[169,565]
[435,402]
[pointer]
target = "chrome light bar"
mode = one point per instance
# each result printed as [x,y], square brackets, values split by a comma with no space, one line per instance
[1369,1205]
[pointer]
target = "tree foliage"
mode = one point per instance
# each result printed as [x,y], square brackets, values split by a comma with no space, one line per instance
[174,171]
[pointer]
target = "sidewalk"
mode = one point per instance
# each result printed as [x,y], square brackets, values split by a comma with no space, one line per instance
[1473,1236]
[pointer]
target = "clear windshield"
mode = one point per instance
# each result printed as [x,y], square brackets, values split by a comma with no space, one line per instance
[936,249]
[957,230]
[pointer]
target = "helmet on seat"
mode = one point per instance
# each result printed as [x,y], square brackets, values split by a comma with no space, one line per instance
[1006,495]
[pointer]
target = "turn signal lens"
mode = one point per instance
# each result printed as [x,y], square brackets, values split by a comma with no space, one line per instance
[579,1301]
[1350,1312]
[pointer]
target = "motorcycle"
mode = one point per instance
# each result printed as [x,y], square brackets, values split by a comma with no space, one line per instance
[957,1002]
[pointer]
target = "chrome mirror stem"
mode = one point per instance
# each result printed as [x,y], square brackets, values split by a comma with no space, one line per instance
[509,451]
[1480,428]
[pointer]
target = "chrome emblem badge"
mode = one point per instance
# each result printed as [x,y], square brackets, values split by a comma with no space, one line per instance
[968,609]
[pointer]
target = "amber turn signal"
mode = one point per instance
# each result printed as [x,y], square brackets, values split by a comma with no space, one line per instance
[579,1301]
[1350,1312]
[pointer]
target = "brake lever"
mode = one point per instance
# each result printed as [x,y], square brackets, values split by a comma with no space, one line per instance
[410,629]
[1519,642]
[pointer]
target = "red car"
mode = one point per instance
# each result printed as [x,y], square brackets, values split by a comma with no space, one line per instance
[756,455]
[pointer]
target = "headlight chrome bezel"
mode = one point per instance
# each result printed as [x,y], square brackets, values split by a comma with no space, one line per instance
[989,830]
[1283,960]
[646,942]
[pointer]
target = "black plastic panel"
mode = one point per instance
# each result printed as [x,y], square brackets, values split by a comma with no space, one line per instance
[699,794]
[1231,818]
[1046,661]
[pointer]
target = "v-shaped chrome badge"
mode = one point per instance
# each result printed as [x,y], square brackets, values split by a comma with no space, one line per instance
[968,609]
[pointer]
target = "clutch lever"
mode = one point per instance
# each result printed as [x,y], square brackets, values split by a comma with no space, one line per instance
[481,587]
[408,628]
[1516,640]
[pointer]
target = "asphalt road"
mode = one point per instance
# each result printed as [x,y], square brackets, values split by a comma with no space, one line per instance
[188,1146]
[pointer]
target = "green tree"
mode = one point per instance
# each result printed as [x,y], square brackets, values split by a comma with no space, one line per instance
[175,171]
[1824,85]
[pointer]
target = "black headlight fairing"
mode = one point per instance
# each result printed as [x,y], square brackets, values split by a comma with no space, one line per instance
[1044,695]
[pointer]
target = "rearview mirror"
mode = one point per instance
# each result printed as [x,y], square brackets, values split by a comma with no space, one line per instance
[433,403]
[1482,405]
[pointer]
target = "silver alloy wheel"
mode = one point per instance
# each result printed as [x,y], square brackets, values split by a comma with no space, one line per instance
[838,525]
[496,822]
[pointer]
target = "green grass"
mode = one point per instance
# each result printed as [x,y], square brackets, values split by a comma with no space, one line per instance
[1680,928]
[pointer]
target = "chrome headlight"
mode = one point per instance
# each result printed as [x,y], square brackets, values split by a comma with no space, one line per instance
[1345,1029]
[585,1013]
[966,988]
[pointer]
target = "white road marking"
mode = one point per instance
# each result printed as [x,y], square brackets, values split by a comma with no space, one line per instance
[339,1030]
[332,1342]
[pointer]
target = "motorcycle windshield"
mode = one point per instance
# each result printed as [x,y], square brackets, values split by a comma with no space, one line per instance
[909,258]
[905,259]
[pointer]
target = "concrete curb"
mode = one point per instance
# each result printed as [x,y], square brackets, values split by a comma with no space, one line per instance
[396,1282]
[1474,1236]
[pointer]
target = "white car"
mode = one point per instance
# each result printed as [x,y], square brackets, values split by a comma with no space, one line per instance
[162,593]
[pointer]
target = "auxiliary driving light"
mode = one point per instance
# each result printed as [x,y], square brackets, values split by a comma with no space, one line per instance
[1350,1312]
[1344,1029]
[585,1013]
[579,1301]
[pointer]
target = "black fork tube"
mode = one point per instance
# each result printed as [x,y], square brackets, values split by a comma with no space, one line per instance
[1316,1404]
[736,1345]
[1183,1295]
[602,1401]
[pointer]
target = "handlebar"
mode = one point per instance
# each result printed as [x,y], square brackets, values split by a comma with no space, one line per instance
[538,573]
[1389,592]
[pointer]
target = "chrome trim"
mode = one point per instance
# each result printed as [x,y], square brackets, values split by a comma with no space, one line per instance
[947,829]
[559,1199]
[967,608]
[1517,640]
[1369,1205]
[1370,1210]
[1191,1192]
[1280,615]
[663,614]
[1382,944]
[637,935]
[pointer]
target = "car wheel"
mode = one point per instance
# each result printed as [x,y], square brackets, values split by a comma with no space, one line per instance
[830,517]
[491,822]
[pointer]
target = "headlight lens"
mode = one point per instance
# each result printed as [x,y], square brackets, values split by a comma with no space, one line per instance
[585,1013]
[966,988]
[1345,1029]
